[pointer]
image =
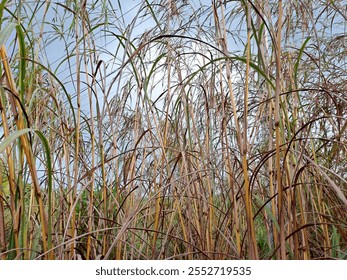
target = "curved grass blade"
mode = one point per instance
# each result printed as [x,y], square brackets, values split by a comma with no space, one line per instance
[296,66]
[7,141]
[6,32]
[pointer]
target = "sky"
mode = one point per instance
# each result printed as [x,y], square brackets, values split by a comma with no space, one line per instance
[130,19]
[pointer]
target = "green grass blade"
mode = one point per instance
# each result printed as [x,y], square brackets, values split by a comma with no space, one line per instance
[296,66]
[22,61]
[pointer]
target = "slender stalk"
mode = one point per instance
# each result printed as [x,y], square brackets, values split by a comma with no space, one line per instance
[278,135]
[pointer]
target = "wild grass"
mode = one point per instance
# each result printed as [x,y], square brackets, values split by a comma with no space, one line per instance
[173,130]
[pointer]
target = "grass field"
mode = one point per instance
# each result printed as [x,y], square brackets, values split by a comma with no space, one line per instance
[173,129]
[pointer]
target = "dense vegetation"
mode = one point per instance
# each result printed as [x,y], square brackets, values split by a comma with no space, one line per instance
[161,129]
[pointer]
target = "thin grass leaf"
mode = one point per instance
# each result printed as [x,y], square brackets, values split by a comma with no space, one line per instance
[6,31]
[7,141]
[22,62]
[297,63]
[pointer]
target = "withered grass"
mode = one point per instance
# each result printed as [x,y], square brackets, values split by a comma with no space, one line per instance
[173,130]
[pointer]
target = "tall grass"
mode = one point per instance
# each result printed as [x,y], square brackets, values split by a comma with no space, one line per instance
[173,130]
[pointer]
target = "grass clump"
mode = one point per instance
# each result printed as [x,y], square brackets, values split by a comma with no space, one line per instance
[173,130]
